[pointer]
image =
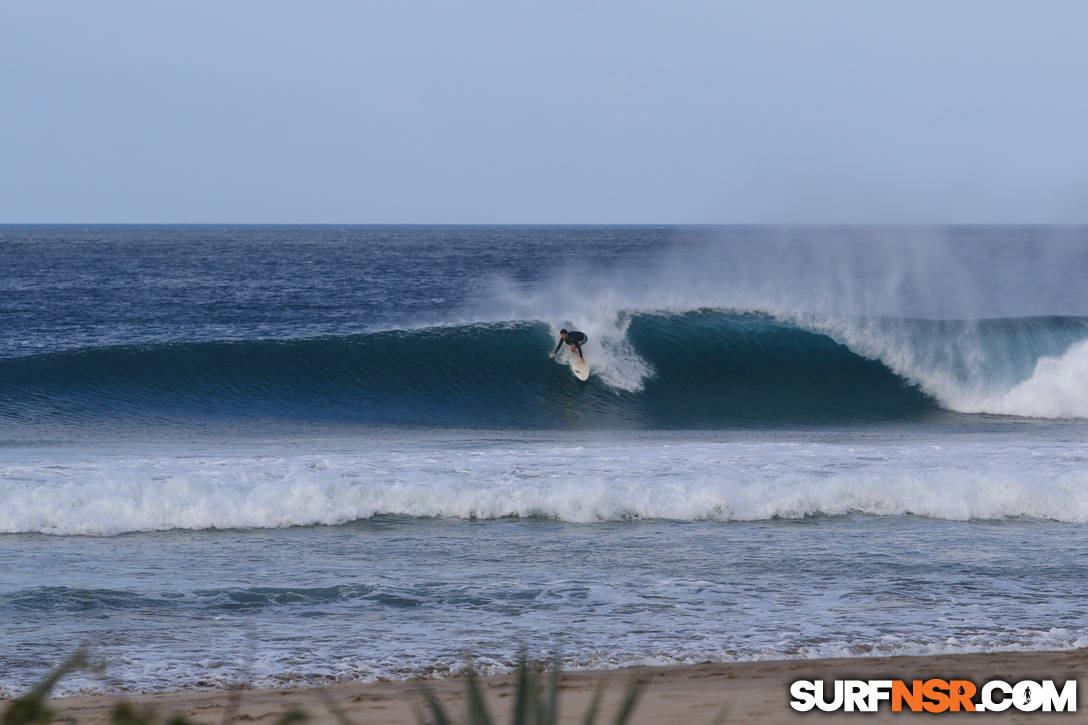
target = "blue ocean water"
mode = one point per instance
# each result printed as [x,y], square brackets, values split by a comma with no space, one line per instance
[289,455]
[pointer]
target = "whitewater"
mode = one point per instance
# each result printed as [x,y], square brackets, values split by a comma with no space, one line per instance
[300,455]
[472,478]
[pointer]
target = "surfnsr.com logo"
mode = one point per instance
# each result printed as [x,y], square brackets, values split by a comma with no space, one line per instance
[933,696]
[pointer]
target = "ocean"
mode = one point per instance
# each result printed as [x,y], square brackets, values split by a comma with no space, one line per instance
[297,455]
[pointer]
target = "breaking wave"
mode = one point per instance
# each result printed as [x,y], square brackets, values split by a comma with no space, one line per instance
[702,368]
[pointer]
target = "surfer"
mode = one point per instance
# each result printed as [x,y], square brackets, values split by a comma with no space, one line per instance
[574,338]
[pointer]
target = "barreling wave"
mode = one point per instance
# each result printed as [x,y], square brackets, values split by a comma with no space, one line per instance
[701,368]
[705,369]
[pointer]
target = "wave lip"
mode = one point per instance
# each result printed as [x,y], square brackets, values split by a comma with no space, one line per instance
[1028,367]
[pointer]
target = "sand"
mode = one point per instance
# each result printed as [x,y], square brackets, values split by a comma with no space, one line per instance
[748,692]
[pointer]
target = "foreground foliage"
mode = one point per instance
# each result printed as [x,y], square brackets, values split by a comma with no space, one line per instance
[531,707]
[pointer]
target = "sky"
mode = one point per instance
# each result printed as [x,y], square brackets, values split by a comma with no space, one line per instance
[560,111]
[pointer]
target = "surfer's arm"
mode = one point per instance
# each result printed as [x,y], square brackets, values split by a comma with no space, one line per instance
[559,345]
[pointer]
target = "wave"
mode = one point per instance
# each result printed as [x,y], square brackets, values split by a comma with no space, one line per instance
[273,486]
[65,599]
[703,368]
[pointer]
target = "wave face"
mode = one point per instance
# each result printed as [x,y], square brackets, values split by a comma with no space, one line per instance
[695,369]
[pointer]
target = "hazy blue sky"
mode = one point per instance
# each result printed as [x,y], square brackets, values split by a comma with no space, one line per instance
[556,111]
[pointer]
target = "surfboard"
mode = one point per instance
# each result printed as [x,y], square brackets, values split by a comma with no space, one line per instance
[578,366]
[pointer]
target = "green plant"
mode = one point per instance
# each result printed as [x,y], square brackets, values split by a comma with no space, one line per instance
[529,707]
[31,707]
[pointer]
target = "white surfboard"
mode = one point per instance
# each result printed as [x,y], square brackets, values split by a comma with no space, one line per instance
[578,366]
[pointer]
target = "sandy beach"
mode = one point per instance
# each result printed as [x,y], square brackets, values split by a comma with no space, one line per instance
[747,691]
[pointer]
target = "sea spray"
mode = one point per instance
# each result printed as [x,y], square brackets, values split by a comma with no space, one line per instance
[928,303]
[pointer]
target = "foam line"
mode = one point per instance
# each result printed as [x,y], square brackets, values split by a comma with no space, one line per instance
[104,495]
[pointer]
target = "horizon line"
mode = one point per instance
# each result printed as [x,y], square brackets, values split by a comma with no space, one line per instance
[545,224]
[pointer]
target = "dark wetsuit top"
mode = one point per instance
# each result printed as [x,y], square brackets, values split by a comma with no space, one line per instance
[574,338]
